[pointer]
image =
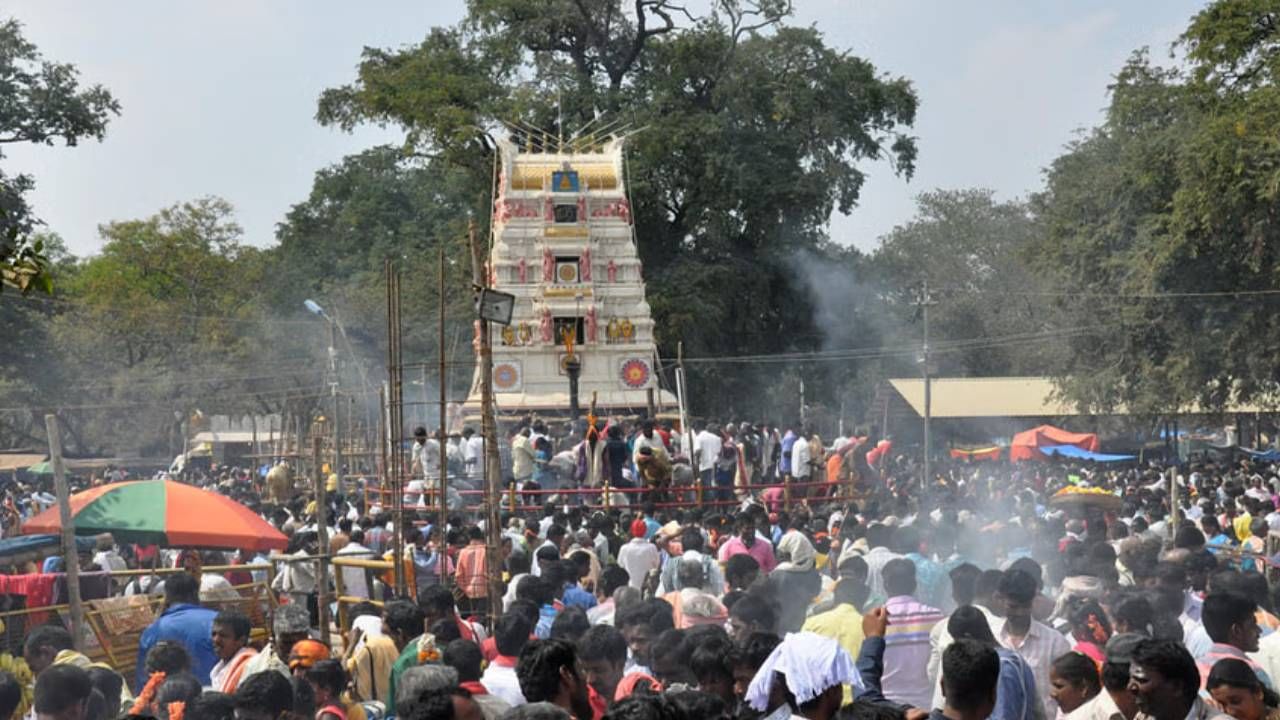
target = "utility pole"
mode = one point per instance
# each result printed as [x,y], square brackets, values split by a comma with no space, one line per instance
[444,430]
[322,531]
[925,301]
[337,411]
[492,463]
[69,553]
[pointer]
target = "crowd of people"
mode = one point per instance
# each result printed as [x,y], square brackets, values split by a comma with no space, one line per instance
[869,593]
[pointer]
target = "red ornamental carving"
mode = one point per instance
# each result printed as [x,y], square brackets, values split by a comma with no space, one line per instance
[505,376]
[522,271]
[591,323]
[584,265]
[618,209]
[549,212]
[635,373]
[612,271]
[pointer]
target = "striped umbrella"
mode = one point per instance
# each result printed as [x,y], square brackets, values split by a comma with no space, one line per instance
[165,513]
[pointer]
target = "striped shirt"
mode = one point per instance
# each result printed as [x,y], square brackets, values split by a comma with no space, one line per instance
[1222,651]
[906,654]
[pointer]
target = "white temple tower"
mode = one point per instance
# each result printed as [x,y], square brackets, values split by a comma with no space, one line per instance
[563,243]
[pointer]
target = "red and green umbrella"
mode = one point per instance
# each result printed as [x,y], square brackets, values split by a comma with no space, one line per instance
[165,513]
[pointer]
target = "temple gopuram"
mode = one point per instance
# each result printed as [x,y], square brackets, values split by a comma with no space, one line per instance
[564,245]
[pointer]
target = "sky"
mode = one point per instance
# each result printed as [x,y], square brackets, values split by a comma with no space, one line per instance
[219,98]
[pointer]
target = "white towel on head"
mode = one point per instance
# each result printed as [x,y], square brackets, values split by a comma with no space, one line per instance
[810,662]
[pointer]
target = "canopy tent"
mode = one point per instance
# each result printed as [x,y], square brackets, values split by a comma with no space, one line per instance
[1076,453]
[990,452]
[1028,445]
[1271,455]
[166,513]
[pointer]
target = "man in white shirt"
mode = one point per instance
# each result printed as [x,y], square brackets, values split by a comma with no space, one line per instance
[639,556]
[648,438]
[706,450]
[878,538]
[800,456]
[964,591]
[472,451]
[353,578]
[1036,642]
[426,454]
[521,457]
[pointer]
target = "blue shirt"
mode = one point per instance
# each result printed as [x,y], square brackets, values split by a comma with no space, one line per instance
[1016,695]
[546,616]
[191,626]
[932,581]
[784,460]
[575,595]
[651,527]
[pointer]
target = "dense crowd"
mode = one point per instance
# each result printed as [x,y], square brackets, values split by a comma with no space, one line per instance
[775,576]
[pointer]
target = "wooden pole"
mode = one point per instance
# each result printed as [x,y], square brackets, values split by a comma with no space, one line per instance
[444,434]
[322,531]
[492,463]
[69,554]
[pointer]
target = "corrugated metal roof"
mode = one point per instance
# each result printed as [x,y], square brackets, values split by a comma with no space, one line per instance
[20,461]
[985,397]
[1005,397]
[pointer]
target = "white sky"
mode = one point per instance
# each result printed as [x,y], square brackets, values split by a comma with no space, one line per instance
[219,97]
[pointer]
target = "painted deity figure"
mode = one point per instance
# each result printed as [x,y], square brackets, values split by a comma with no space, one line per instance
[548,265]
[547,335]
[591,323]
[522,271]
[584,264]
[612,271]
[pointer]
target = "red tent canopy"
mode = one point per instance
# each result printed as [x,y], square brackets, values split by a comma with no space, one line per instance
[1026,445]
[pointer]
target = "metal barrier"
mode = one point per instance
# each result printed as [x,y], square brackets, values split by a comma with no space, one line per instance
[697,496]
[115,624]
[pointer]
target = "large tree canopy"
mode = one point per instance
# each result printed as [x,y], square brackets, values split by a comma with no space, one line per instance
[1161,224]
[750,133]
[40,102]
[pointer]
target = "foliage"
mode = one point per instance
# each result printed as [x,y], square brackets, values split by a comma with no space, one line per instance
[1163,219]
[40,102]
[971,249]
[751,134]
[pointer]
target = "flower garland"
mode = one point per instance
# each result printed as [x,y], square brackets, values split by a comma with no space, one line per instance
[18,668]
[427,651]
[142,705]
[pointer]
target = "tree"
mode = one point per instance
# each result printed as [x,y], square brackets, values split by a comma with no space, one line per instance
[754,132]
[168,319]
[1162,223]
[43,102]
[972,250]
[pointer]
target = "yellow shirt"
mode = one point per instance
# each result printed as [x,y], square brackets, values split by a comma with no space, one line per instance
[844,625]
[1241,526]
[370,668]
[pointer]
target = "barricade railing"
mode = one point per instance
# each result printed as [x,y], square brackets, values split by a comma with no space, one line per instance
[114,625]
[676,496]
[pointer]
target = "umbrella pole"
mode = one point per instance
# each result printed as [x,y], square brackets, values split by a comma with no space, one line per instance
[69,555]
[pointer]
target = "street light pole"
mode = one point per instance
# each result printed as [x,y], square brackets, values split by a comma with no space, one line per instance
[315,308]
[925,301]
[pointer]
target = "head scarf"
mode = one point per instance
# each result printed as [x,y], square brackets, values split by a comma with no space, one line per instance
[638,528]
[288,619]
[307,653]
[800,550]
[810,662]
[1076,587]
